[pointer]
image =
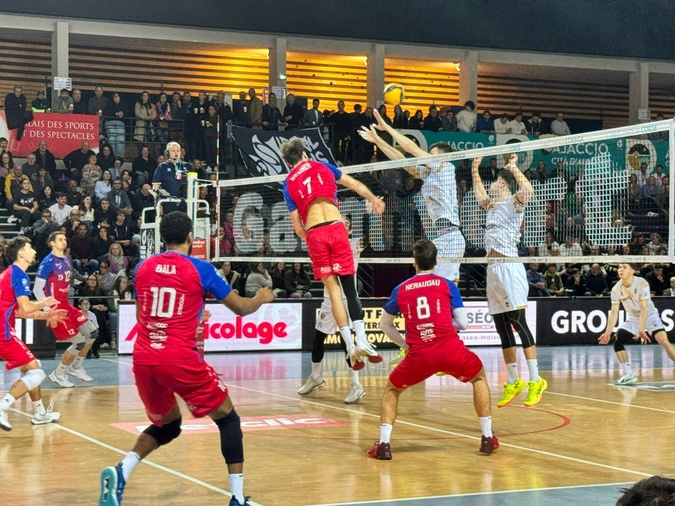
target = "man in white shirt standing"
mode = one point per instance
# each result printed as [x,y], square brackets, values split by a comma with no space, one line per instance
[559,125]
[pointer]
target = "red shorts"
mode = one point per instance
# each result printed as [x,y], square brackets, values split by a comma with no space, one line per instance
[15,352]
[422,362]
[196,383]
[71,325]
[330,250]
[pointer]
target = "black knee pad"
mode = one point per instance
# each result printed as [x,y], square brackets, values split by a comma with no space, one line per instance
[519,321]
[80,346]
[622,336]
[318,346]
[231,438]
[166,433]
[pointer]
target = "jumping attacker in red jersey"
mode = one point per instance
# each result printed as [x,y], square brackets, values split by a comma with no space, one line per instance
[169,292]
[15,301]
[53,279]
[310,191]
[433,312]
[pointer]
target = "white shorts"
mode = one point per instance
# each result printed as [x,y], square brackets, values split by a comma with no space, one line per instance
[507,287]
[450,244]
[632,325]
[325,321]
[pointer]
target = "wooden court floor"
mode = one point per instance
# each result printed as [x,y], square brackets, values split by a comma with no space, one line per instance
[582,443]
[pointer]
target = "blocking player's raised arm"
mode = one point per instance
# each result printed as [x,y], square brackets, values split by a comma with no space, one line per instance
[525,190]
[407,144]
[371,135]
[478,188]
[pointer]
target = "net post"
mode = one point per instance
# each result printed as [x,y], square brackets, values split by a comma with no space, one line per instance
[192,196]
[671,192]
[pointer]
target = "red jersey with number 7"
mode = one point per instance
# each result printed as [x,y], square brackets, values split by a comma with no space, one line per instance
[308,181]
[169,290]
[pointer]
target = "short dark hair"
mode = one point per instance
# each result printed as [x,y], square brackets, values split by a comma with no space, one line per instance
[510,180]
[441,147]
[52,237]
[13,247]
[424,252]
[175,228]
[292,150]
[650,491]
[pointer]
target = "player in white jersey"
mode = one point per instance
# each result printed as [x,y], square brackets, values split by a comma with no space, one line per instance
[325,325]
[439,191]
[507,285]
[642,319]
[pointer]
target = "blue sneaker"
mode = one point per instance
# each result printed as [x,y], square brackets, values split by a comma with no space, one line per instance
[112,486]
[234,502]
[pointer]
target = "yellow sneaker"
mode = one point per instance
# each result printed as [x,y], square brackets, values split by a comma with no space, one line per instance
[398,358]
[535,391]
[510,392]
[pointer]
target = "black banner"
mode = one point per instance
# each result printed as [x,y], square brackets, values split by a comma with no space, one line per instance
[562,321]
[259,149]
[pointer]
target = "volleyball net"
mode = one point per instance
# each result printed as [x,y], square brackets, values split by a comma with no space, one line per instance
[596,195]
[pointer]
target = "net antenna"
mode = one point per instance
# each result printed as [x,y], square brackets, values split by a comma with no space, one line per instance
[585,195]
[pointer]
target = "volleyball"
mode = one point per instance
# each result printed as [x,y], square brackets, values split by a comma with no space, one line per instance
[393,94]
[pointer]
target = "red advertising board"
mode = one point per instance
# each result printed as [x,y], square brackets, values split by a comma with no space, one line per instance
[63,132]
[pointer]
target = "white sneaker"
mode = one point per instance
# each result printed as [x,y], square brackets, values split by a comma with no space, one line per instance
[48,417]
[367,350]
[356,391]
[12,219]
[4,422]
[310,385]
[79,373]
[61,380]
[113,344]
[626,379]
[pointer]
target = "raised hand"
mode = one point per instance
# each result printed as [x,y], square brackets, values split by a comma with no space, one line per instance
[368,134]
[476,163]
[381,125]
[513,162]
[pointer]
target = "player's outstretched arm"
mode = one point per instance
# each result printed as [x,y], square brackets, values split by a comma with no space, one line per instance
[370,134]
[611,322]
[246,305]
[362,189]
[525,191]
[478,189]
[400,139]
[390,330]
[34,310]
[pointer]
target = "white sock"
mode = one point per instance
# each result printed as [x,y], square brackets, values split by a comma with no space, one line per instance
[316,370]
[385,432]
[346,334]
[360,329]
[627,369]
[237,487]
[486,425]
[533,367]
[128,463]
[60,370]
[355,377]
[511,373]
[77,363]
[39,408]
[6,402]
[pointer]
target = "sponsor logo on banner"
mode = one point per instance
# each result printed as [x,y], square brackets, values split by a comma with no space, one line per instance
[63,132]
[248,424]
[199,248]
[276,326]
[481,330]
[260,148]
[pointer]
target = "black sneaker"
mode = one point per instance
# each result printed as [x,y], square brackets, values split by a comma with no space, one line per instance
[488,444]
[380,451]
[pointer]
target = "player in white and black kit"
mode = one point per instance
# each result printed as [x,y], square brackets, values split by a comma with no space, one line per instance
[325,325]
[507,285]
[642,320]
[439,191]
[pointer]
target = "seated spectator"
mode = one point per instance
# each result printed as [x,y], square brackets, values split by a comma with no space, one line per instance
[102,241]
[536,126]
[553,281]
[230,275]
[92,290]
[121,231]
[596,282]
[466,118]
[541,172]
[13,183]
[106,158]
[417,120]
[670,292]
[502,124]
[400,121]
[258,278]
[60,210]
[297,282]
[118,262]
[544,248]
[143,167]
[128,184]
[25,206]
[73,193]
[90,175]
[278,271]
[41,231]
[516,126]
[142,199]
[87,212]
[122,291]
[40,180]
[105,212]
[449,120]
[63,104]
[75,160]
[656,280]
[103,186]
[570,248]
[82,251]
[655,244]
[536,282]
[576,287]
[119,198]
[106,278]
[31,166]
[72,223]
[485,124]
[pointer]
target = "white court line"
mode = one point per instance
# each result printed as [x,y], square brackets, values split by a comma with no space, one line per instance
[473,494]
[458,434]
[660,410]
[144,461]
